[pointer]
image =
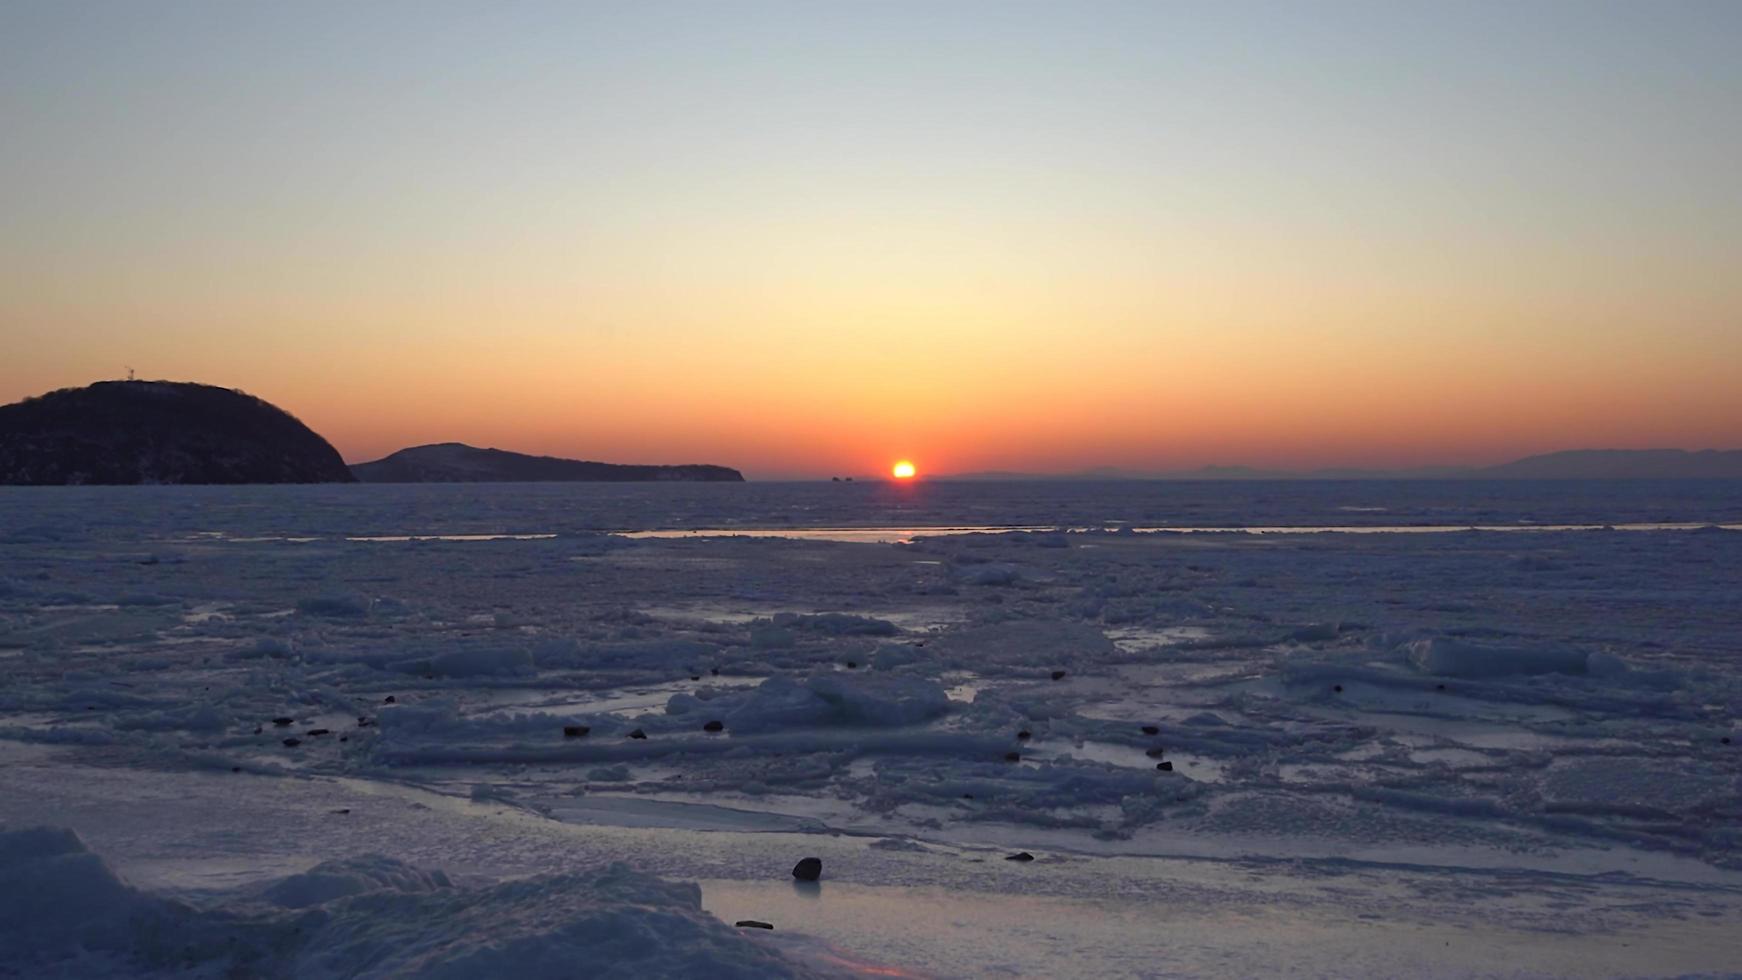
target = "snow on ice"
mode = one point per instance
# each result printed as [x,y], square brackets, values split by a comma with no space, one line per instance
[65,912]
[1543,721]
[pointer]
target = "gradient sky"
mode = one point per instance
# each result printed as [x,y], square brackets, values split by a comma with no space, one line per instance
[808,238]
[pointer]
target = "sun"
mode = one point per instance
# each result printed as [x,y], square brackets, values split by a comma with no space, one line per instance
[903,470]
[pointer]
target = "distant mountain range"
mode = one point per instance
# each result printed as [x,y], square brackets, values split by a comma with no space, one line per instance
[1613,464]
[1573,464]
[453,462]
[181,432]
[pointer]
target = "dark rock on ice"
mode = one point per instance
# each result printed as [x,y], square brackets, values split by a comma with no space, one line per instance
[575,731]
[316,732]
[1164,766]
[1151,730]
[808,869]
[291,743]
[1013,757]
[1024,735]
[389,699]
[1058,675]
[714,726]
[1020,856]
[752,924]
[282,722]
[637,733]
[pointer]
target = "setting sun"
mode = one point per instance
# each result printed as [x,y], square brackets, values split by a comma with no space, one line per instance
[903,470]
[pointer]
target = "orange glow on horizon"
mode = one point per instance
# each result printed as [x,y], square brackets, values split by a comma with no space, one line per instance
[1010,262]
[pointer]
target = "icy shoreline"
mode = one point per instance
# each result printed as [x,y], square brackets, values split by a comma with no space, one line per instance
[945,912]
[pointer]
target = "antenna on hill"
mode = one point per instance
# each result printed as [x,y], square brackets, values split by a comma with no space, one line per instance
[129,373]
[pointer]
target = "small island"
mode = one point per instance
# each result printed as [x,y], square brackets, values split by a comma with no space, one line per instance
[453,462]
[132,432]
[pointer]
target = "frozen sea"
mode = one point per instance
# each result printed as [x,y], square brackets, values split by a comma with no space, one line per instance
[1403,729]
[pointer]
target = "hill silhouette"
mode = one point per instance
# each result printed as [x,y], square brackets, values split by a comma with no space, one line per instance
[453,462]
[124,432]
[1613,464]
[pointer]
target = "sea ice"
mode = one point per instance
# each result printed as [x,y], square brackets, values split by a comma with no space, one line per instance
[1530,719]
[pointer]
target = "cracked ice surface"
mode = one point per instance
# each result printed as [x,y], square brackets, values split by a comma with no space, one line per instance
[1388,727]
